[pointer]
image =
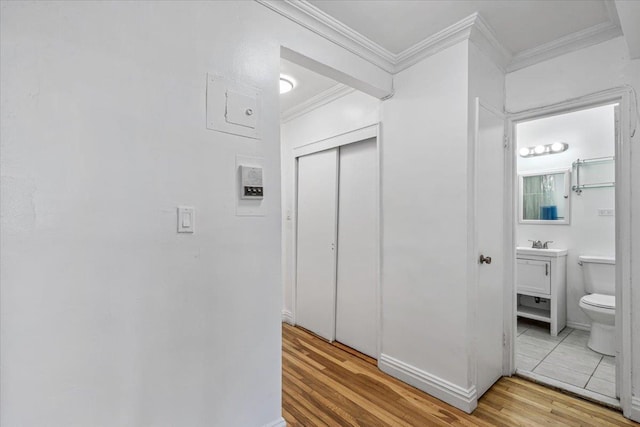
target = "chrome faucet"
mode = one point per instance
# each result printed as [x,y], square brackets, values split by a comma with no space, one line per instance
[536,244]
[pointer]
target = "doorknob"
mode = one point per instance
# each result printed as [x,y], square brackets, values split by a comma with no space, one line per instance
[485,259]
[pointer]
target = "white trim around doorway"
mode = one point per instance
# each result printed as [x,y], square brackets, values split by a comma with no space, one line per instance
[623,96]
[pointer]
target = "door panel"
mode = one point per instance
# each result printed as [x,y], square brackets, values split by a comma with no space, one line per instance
[534,276]
[356,304]
[489,189]
[316,243]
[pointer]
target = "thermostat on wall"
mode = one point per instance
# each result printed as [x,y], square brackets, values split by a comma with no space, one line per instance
[251,186]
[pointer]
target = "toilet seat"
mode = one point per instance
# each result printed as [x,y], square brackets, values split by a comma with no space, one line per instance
[600,301]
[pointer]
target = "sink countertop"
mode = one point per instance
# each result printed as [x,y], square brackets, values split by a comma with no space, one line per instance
[551,252]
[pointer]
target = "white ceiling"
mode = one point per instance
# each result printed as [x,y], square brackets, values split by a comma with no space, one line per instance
[397,25]
[519,24]
[307,85]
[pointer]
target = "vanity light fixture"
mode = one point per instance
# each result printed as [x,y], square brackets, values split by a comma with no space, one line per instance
[541,150]
[286,84]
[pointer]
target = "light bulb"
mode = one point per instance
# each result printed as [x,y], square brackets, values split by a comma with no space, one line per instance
[539,149]
[556,147]
[524,152]
[286,85]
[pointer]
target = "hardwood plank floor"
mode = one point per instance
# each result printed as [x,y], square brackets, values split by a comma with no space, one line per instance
[330,385]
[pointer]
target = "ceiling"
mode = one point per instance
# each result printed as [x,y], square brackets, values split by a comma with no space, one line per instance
[308,84]
[391,28]
[520,25]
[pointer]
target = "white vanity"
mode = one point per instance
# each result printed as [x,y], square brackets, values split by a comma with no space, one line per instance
[542,286]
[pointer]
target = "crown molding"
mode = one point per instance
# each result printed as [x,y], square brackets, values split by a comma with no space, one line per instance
[483,36]
[628,14]
[612,11]
[473,27]
[433,44]
[569,43]
[323,98]
[312,18]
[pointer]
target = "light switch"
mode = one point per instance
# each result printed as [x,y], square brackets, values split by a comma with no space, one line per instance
[186,219]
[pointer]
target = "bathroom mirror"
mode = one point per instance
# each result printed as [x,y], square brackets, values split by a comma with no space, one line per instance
[545,197]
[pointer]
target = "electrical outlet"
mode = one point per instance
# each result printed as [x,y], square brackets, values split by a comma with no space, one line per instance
[606,212]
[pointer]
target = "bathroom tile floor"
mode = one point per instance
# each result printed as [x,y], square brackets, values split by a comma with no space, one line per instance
[565,358]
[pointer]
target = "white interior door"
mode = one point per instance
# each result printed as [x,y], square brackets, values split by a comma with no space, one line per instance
[316,243]
[356,304]
[489,187]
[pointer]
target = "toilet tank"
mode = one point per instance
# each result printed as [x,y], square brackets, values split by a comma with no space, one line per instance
[598,274]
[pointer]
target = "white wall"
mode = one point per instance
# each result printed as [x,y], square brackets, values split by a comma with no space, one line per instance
[590,134]
[586,71]
[110,318]
[350,112]
[424,196]
[425,144]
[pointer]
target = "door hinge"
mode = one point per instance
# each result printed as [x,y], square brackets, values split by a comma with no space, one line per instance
[506,142]
[504,339]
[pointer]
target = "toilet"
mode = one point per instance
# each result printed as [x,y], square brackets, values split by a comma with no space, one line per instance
[598,275]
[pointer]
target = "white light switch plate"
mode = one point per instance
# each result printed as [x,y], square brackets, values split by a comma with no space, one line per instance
[186,219]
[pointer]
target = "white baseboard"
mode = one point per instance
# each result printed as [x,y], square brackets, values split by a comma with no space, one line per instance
[461,398]
[280,422]
[581,326]
[634,411]
[287,317]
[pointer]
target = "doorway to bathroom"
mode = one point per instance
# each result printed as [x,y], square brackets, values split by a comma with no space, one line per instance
[565,255]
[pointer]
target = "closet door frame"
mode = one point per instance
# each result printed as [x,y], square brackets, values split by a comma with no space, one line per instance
[368,132]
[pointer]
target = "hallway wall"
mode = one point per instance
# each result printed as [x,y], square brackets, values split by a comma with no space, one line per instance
[424,197]
[109,317]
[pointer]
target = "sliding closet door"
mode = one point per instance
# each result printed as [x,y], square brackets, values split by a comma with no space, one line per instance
[316,243]
[356,304]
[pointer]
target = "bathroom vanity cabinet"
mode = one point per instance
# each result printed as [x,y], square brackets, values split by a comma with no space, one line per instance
[542,286]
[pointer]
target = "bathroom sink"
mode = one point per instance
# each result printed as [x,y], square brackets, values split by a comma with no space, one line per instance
[522,250]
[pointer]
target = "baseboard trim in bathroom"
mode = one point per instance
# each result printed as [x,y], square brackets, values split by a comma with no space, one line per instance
[462,398]
[571,389]
[580,326]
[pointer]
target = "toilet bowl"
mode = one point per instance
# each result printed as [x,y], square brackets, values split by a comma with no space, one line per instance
[598,274]
[601,310]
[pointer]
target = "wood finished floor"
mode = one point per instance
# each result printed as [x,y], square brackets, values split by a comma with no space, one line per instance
[327,385]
